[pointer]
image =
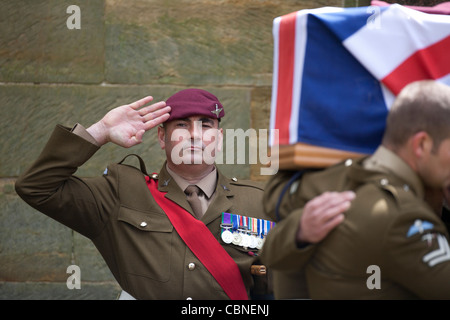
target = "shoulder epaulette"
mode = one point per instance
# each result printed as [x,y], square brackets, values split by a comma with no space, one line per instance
[401,192]
[249,183]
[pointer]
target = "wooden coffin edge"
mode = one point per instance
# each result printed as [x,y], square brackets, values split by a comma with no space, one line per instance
[302,155]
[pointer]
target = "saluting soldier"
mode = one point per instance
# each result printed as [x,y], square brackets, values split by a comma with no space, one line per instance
[393,242]
[161,234]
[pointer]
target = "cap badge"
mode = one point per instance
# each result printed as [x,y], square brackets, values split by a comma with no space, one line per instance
[217,111]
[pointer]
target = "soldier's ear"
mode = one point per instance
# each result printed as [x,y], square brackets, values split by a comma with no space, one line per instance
[422,144]
[162,136]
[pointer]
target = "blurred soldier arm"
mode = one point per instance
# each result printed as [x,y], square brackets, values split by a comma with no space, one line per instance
[290,244]
[301,222]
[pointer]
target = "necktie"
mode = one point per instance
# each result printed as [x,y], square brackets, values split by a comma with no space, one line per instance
[192,193]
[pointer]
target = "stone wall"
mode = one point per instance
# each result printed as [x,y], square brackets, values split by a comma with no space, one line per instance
[124,50]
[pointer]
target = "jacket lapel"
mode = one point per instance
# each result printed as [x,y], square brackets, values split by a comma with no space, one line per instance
[221,200]
[167,184]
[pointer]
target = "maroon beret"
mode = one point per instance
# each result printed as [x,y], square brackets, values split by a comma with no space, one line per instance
[194,102]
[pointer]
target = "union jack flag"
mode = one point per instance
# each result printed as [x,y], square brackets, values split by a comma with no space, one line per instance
[337,70]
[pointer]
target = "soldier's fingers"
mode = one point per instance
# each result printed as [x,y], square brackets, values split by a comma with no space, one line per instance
[140,103]
[340,201]
[133,140]
[315,232]
[333,212]
[334,198]
[156,114]
[329,226]
[317,202]
[328,200]
[152,108]
[156,121]
[325,208]
[347,195]
[139,135]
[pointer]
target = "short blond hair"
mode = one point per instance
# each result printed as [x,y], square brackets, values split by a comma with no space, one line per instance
[420,106]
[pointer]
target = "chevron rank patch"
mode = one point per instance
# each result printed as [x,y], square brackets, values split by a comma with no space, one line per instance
[439,255]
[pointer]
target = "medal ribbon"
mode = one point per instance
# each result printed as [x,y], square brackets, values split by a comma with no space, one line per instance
[226,219]
[235,219]
[255,226]
[246,225]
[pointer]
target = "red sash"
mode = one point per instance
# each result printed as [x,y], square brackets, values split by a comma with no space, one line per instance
[203,244]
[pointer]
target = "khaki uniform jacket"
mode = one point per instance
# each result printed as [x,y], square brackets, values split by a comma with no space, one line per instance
[391,245]
[149,260]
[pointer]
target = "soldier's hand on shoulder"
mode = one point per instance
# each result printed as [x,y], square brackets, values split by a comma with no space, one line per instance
[322,214]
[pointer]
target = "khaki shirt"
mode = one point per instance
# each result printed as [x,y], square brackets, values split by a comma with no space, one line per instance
[388,228]
[135,237]
[207,185]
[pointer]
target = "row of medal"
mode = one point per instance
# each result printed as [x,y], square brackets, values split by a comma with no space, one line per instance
[244,231]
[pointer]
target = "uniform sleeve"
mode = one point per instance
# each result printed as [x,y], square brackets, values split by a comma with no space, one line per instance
[280,250]
[418,255]
[283,201]
[81,131]
[50,186]
[276,202]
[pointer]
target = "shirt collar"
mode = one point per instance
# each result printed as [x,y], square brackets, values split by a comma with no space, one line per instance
[386,161]
[207,184]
